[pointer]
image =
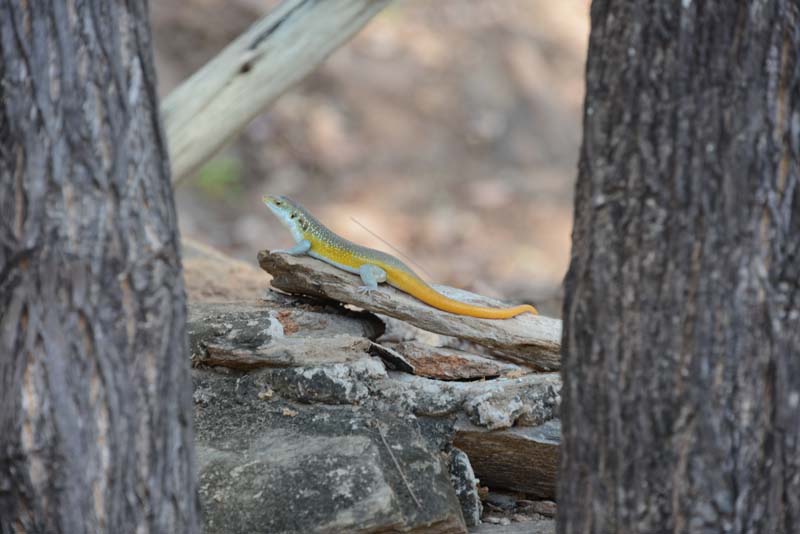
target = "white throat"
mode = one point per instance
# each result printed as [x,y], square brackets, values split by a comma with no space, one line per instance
[288,222]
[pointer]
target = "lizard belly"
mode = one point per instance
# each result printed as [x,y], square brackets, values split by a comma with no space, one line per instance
[331,261]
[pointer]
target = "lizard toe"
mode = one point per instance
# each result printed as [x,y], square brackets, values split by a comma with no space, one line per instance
[365,290]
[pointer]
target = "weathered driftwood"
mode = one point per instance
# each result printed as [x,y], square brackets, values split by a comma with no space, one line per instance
[279,50]
[521,458]
[530,340]
[291,352]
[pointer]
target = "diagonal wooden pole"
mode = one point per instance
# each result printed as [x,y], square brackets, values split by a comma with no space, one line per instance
[220,99]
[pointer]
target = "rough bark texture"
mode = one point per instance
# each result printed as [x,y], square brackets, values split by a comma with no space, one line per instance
[682,315]
[95,401]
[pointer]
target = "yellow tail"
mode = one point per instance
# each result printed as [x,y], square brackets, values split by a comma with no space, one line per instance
[419,289]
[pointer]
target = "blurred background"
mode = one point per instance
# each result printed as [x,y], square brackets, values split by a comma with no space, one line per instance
[450,128]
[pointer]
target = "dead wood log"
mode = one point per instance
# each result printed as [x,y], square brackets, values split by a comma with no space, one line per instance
[530,340]
[522,459]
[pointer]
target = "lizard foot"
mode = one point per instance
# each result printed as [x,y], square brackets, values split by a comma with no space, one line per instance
[366,290]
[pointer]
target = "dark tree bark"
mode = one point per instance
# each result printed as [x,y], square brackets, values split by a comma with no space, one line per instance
[681,345]
[95,401]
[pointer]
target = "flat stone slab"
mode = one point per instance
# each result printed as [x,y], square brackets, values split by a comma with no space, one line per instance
[249,335]
[266,465]
[444,363]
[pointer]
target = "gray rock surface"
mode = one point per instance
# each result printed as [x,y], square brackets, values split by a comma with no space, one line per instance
[249,335]
[335,383]
[466,486]
[267,465]
[498,403]
[301,427]
[544,526]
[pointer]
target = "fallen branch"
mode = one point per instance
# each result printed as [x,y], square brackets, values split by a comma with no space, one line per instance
[531,340]
[278,51]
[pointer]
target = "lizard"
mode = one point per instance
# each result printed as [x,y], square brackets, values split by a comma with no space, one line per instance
[314,239]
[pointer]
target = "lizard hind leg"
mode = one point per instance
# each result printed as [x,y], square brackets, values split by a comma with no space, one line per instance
[371,275]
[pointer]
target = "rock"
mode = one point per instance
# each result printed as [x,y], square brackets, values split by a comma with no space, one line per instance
[393,359]
[450,364]
[485,410]
[301,428]
[253,335]
[501,501]
[499,403]
[248,335]
[507,513]
[534,341]
[521,459]
[273,466]
[336,383]
[545,507]
[466,487]
[516,401]
[546,526]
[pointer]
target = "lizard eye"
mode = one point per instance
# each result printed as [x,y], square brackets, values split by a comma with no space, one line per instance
[278,203]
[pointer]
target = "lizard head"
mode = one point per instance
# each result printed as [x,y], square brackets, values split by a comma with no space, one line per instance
[291,215]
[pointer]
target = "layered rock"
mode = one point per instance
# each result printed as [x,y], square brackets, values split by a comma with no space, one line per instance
[313,417]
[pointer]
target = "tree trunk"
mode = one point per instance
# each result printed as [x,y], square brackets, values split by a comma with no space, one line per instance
[95,399]
[681,345]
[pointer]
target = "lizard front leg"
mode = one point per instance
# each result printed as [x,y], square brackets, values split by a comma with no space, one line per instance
[298,250]
[371,275]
